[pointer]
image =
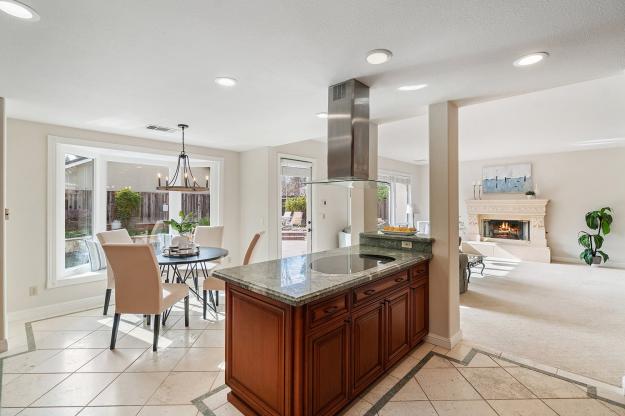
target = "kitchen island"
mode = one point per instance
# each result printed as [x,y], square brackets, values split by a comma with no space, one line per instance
[305,335]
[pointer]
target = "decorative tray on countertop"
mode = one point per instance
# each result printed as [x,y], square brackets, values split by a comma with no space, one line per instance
[404,233]
[181,252]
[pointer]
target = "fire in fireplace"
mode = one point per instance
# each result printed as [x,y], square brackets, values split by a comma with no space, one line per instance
[507,229]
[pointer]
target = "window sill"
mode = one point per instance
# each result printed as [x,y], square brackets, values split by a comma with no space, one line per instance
[79,279]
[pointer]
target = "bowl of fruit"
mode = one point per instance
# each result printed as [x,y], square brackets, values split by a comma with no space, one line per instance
[388,230]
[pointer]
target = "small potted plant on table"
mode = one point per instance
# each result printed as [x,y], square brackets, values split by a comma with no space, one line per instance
[530,194]
[599,221]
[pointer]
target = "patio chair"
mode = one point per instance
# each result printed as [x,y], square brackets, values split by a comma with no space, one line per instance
[298,219]
[212,283]
[120,236]
[139,289]
[286,218]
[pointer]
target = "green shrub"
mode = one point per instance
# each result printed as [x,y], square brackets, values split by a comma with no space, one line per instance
[295,204]
[127,204]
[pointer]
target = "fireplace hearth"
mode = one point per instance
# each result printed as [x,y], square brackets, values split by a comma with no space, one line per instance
[507,229]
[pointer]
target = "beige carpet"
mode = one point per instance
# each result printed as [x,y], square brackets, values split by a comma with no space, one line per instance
[566,316]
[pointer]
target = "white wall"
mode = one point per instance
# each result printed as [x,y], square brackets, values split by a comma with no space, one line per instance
[26,198]
[575,183]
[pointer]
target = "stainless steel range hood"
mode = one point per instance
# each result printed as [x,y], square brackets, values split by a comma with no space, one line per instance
[352,158]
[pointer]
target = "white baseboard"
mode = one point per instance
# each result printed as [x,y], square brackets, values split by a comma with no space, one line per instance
[56,309]
[573,260]
[444,342]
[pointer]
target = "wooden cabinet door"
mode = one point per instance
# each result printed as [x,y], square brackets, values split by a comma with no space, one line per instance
[327,352]
[367,345]
[397,326]
[419,311]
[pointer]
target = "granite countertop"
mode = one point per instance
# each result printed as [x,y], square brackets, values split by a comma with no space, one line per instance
[291,280]
[425,238]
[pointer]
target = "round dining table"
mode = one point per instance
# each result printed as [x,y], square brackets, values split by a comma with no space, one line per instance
[172,264]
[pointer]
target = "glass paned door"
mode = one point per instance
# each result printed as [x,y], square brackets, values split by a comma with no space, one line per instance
[295,207]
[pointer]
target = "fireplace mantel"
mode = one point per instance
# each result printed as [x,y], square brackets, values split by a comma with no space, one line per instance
[532,210]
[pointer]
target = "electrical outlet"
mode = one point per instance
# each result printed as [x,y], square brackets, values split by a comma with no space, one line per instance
[406,244]
[32,291]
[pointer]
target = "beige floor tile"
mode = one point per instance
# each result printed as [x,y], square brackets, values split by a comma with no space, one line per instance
[181,338]
[165,359]
[445,384]
[67,361]
[408,409]
[202,359]
[410,392]
[422,350]
[70,323]
[96,339]
[130,389]
[479,360]
[181,388]
[578,407]
[440,350]
[437,362]
[545,386]
[504,363]
[380,389]
[460,351]
[359,408]
[495,383]
[183,410]
[57,339]
[404,366]
[51,411]
[463,408]
[216,400]
[27,388]
[112,361]
[195,322]
[219,381]
[216,323]
[76,390]
[7,378]
[10,411]
[527,407]
[140,337]
[227,410]
[110,411]
[25,362]
[211,338]
[619,410]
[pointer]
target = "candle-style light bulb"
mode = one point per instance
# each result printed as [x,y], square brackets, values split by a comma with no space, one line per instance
[166,180]
[207,181]
[159,179]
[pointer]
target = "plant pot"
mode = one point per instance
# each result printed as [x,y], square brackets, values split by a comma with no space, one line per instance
[596,261]
[530,196]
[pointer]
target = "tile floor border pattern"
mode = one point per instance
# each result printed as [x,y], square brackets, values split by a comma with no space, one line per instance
[591,391]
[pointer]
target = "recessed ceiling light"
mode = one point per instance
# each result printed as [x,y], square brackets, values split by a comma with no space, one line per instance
[322,115]
[412,87]
[531,59]
[226,81]
[379,56]
[19,10]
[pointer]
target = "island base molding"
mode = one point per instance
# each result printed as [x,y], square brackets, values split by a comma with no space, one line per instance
[315,359]
[444,342]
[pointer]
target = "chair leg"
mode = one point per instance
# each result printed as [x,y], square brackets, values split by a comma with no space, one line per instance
[107,300]
[196,285]
[116,319]
[217,297]
[149,318]
[157,327]
[186,311]
[204,294]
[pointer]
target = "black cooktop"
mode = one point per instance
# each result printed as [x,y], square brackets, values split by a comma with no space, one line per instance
[348,264]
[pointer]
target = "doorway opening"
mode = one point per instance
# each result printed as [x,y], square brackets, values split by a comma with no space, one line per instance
[295,207]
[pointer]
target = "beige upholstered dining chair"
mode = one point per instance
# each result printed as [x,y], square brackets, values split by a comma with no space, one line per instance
[138,288]
[112,237]
[212,283]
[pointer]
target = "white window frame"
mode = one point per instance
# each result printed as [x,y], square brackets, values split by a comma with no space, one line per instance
[101,154]
[393,178]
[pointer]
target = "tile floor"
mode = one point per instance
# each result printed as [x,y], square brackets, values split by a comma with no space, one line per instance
[62,367]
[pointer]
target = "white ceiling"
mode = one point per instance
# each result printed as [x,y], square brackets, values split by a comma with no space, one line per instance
[581,116]
[118,65]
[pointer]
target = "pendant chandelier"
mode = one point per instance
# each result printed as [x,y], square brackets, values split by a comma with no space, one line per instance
[183,174]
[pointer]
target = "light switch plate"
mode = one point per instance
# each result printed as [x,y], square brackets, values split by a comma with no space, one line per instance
[406,244]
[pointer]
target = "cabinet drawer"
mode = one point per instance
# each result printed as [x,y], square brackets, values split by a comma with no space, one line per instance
[326,310]
[372,290]
[420,270]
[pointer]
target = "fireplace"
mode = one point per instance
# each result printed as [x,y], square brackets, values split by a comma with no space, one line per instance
[507,229]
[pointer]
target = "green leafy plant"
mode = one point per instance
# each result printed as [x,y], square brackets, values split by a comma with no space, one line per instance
[186,225]
[205,221]
[383,191]
[600,222]
[295,203]
[127,204]
[530,193]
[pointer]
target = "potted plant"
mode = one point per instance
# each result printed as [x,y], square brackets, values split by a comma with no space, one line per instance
[600,222]
[185,226]
[530,194]
[127,203]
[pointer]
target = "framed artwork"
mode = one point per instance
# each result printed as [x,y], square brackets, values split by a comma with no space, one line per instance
[516,178]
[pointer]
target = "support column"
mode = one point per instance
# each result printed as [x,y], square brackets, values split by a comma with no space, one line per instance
[3,305]
[444,286]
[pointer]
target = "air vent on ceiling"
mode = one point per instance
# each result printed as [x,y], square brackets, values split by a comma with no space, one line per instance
[162,129]
[338,92]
